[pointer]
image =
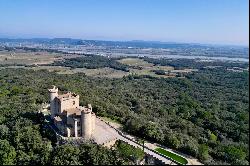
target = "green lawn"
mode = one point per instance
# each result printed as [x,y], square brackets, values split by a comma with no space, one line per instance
[172,156]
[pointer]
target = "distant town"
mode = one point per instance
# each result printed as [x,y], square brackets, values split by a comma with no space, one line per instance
[151,49]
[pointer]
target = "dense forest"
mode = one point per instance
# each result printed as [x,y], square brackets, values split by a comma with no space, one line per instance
[25,138]
[92,62]
[205,115]
[194,64]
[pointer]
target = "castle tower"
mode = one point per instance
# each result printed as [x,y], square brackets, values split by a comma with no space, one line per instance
[92,118]
[53,94]
[86,120]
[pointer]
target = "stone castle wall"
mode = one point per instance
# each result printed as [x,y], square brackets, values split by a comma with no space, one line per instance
[74,120]
[68,103]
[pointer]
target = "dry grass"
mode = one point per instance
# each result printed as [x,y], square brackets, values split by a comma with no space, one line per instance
[135,62]
[106,72]
[101,72]
[31,58]
[145,67]
[28,58]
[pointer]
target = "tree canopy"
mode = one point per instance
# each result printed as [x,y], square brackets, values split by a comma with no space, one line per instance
[205,114]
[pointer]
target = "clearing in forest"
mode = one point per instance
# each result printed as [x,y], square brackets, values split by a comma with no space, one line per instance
[135,62]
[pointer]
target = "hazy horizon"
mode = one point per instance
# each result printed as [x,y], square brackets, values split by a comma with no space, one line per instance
[132,40]
[220,22]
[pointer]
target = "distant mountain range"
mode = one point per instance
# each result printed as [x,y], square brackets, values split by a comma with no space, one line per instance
[43,40]
[133,43]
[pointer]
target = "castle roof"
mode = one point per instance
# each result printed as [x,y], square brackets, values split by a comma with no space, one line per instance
[77,111]
[67,95]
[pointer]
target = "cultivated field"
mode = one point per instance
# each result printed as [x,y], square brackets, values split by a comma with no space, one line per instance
[135,62]
[31,58]
[141,67]
[136,66]
[28,58]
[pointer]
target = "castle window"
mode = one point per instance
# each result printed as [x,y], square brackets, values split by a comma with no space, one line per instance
[74,102]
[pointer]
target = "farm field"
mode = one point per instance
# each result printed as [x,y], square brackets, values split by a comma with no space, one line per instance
[28,58]
[135,62]
[31,58]
[141,67]
[43,60]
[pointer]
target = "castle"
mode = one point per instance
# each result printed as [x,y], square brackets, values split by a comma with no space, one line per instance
[71,119]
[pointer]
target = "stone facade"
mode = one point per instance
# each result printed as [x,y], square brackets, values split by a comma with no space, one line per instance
[71,119]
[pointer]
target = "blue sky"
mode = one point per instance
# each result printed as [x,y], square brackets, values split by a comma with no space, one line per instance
[199,21]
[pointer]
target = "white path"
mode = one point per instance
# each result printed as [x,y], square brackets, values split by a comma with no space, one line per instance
[126,139]
[191,160]
[165,160]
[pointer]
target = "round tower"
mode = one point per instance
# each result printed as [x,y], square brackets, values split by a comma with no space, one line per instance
[86,120]
[53,94]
